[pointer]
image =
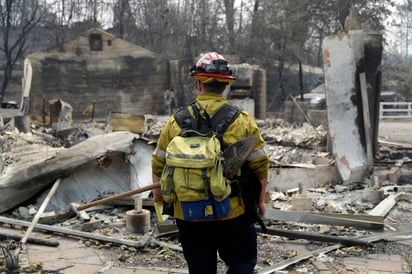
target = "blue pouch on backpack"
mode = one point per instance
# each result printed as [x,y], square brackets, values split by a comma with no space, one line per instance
[205,209]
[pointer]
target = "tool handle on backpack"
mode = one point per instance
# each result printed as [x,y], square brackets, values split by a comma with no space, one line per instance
[119,196]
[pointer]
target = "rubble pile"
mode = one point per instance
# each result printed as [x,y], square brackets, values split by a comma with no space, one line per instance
[287,143]
[287,134]
[337,213]
[23,149]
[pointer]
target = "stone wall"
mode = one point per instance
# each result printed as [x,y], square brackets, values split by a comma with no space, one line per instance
[80,83]
[121,77]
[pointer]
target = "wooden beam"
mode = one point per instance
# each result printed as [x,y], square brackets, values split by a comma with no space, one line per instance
[383,208]
[314,237]
[360,221]
[366,120]
[76,233]
[127,122]
[397,188]
[165,244]
[36,218]
[118,196]
[282,265]
[30,240]
[294,260]
[40,211]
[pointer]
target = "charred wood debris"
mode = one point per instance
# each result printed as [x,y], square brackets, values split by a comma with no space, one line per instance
[345,217]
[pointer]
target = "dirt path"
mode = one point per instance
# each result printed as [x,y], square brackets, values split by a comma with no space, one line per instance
[396,130]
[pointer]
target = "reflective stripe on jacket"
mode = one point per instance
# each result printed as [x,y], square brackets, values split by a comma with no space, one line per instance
[242,127]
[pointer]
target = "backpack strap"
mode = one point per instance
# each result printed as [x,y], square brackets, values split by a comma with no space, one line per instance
[184,119]
[219,122]
[223,118]
[204,123]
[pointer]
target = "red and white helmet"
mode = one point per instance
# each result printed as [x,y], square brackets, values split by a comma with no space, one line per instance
[212,67]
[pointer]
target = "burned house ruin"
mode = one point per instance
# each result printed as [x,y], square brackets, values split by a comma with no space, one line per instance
[97,67]
[111,75]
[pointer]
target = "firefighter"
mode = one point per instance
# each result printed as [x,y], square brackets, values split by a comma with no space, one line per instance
[233,237]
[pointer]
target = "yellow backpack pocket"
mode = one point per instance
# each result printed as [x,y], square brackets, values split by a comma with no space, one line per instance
[194,170]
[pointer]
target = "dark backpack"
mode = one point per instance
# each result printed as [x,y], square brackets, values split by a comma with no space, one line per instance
[218,123]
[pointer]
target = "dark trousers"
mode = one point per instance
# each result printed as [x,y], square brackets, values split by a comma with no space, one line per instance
[235,240]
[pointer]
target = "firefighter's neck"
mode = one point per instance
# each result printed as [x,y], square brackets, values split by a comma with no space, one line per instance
[199,87]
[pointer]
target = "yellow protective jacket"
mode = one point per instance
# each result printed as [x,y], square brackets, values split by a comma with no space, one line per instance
[243,126]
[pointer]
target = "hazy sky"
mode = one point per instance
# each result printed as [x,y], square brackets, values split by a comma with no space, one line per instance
[395,32]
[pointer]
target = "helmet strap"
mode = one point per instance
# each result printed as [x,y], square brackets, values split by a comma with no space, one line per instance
[199,86]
